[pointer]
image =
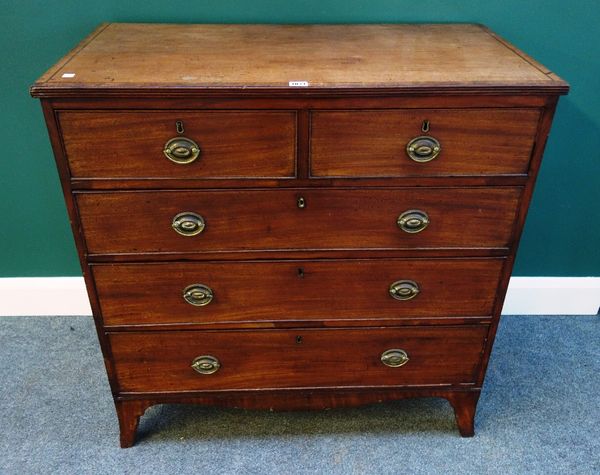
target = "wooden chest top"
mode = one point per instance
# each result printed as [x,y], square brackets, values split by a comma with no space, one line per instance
[150,59]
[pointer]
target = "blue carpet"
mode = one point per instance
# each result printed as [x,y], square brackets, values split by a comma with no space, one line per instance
[539,414]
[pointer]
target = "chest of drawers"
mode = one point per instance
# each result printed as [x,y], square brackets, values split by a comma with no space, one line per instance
[296,217]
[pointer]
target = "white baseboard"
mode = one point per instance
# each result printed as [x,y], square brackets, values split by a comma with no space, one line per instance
[43,296]
[552,296]
[24,296]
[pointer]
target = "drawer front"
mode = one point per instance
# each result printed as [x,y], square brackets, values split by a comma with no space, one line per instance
[232,144]
[162,361]
[295,290]
[272,220]
[374,143]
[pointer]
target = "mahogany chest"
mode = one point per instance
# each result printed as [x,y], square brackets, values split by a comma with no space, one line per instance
[296,217]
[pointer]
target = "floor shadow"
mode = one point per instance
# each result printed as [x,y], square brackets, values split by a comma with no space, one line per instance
[176,421]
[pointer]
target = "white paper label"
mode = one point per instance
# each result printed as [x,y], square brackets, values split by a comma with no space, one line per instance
[298,83]
[68,75]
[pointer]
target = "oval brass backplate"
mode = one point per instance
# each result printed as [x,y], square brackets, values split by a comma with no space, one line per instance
[188,223]
[198,295]
[394,358]
[413,221]
[423,148]
[206,364]
[404,289]
[181,150]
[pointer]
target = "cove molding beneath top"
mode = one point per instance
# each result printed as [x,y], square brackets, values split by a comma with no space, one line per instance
[34,296]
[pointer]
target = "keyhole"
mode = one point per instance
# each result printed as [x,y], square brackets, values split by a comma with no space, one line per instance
[179,127]
[425,126]
[298,340]
[300,272]
[301,202]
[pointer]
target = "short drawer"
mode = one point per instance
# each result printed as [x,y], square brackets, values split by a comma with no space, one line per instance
[151,144]
[209,292]
[416,356]
[375,143]
[298,219]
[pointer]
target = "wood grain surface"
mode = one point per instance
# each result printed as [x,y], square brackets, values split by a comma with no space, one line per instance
[373,143]
[130,144]
[295,290]
[161,361]
[140,222]
[270,56]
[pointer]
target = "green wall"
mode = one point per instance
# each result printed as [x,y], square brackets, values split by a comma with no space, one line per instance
[562,233]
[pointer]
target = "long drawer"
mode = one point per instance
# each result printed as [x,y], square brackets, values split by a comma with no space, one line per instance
[209,292]
[416,356]
[297,219]
[442,142]
[180,144]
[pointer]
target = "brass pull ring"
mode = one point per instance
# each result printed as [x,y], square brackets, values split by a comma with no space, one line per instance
[206,364]
[404,289]
[198,295]
[423,148]
[413,221]
[188,223]
[181,150]
[394,358]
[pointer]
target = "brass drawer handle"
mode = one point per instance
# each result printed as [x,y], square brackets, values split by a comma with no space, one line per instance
[413,221]
[188,223]
[181,150]
[206,364]
[423,148]
[404,289]
[198,295]
[394,358]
